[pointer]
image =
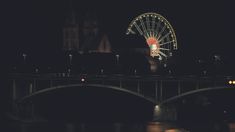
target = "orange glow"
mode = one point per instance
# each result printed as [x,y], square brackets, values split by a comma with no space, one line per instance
[231,127]
[151,41]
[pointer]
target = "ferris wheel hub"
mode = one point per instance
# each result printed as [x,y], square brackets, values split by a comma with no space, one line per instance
[151,41]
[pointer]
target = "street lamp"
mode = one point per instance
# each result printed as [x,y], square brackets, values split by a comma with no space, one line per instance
[217,59]
[117,56]
[135,71]
[101,71]
[169,72]
[70,59]
[204,72]
[232,82]
[36,70]
[157,111]
[24,56]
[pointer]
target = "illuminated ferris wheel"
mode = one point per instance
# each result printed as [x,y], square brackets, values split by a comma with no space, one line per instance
[158,33]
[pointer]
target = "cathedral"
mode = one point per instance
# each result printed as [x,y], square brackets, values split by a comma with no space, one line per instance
[84,35]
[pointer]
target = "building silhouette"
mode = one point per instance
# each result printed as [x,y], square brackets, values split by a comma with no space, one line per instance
[71,33]
[84,35]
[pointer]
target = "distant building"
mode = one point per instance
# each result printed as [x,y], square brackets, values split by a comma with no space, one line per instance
[85,35]
[94,40]
[71,34]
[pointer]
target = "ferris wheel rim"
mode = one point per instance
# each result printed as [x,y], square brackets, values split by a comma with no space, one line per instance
[163,18]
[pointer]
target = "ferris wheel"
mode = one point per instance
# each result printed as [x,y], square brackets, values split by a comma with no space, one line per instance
[158,33]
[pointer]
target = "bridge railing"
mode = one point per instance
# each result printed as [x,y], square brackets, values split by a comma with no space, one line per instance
[152,86]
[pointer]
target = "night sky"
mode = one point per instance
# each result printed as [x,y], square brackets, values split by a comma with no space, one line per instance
[203,28]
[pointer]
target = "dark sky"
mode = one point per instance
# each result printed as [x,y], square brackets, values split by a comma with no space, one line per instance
[203,28]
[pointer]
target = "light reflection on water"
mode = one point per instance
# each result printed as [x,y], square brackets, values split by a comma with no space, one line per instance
[163,127]
[112,127]
[101,127]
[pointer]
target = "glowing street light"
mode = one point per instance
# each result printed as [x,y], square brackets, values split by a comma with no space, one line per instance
[36,70]
[157,111]
[70,58]
[117,56]
[82,79]
[101,71]
[157,107]
[24,56]
[231,82]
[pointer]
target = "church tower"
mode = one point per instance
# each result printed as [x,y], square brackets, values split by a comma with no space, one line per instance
[71,33]
[94,38]
[84,35]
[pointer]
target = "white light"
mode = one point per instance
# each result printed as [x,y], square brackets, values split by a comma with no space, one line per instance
[83,80]
[157,107]
[154,47]
[157,110]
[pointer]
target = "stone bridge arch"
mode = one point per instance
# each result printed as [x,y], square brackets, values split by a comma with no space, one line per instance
[50,89]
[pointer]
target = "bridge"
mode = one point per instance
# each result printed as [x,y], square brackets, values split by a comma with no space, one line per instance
[157,90]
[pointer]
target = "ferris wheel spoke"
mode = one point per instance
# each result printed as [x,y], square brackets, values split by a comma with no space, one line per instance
[160,33]
[156,31]
[164,36]
[148,25]
[144,28]
[165,43]
[163,54]
[132,31]
[164,49]
[153,26]
[138,28]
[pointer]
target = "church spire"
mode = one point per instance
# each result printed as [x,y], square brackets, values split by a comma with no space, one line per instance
[71,31]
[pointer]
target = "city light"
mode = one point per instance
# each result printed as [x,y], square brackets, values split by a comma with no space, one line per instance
[157,107]
[231,82]
[82,79]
